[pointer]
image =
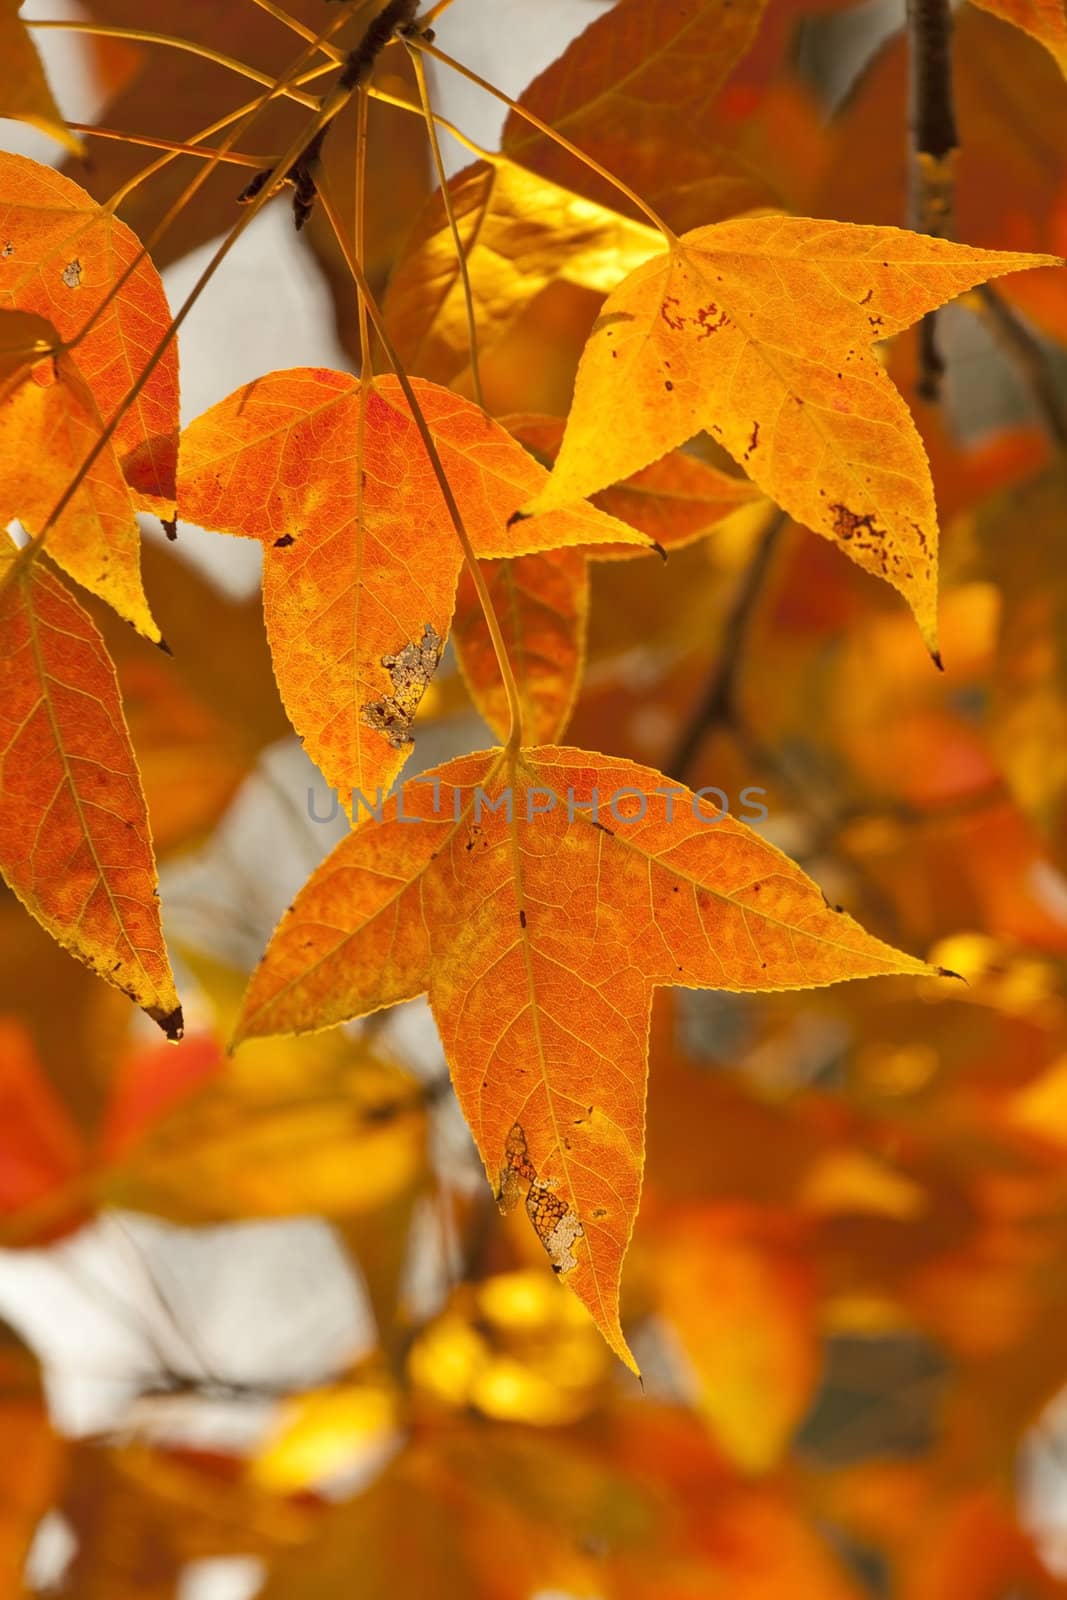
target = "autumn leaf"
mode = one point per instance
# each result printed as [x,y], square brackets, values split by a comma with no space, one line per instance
[361,557]
[170,94]
[540,942]
[759,330]
[675,500]
[519,233]
[1043,20]
[63,257]
[74,839]
[627,91]
[542,601]
[40,1149]
[755,1359]
[50,431]
[24,91]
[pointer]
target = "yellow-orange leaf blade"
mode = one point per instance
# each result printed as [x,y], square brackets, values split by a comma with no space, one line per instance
[1044,20]
[74,838]
[24,91]
[542,604]
[540,935]
[62,256]
[49,429]
[519,233]
[675,501]
[759,331]
[361,557]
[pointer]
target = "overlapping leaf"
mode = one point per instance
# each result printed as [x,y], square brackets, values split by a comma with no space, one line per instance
[24,91]
[65,257]
[173,94]
[1043,20]
[540,942]
[759,330]
[361,557]
[635,91]
[50,453]
[519,233]
[74,840]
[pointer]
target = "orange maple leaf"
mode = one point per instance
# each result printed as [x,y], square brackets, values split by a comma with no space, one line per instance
[361,558]
[74,838]
[63,256]
[540,936]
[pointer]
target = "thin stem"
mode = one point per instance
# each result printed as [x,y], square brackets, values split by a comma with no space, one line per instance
[716,707]
[461,254]
[205,151]
[462,138]
[511,689]
[1028,354]
[419,43]
[276,11]
[250,109]
[334,104]
[366,364]
[102,31]
[932,123]
[434,12]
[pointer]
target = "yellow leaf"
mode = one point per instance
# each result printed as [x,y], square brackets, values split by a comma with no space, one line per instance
[49,428]
[24,91]
[1043,20]
[519,234]
[759,331]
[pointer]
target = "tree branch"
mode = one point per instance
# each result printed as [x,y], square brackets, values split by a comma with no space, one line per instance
[716,706]
[932,123]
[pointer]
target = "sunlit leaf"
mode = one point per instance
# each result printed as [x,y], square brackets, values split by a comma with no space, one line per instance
[361,557]
[759,331]
[540,942]
[71,260]
[74,839]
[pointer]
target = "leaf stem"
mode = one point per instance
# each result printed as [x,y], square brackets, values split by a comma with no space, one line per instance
[462,138]
[511,689]
[205,151]
[366,363]
[104,31]
[716,707]
[450,213]
[325,113]
[1028,354]
[250,109]
[520,110]
[434,12]
[301,28]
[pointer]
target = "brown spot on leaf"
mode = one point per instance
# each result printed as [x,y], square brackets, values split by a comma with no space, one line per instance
[72,274]
[711,319]
[554,1222]
[411,670]
[673,319]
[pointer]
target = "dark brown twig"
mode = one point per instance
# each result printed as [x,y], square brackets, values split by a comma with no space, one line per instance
[396,17]
[716,706]
[932,124]
[1026,351]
